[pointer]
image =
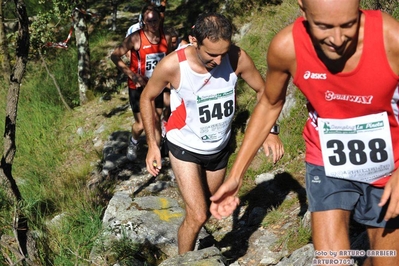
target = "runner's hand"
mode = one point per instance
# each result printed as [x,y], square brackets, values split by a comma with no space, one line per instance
[273,146]
[153,161]
[391,194]
[225,201]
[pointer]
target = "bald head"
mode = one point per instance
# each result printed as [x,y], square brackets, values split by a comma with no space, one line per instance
[305,4]
[333,26]
[331,11]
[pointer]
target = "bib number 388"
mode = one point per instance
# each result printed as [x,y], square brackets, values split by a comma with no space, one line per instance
[357,148]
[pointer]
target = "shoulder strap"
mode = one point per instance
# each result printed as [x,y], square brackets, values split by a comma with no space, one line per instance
[181,55]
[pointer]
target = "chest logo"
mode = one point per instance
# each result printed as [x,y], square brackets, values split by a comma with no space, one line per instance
[330,96]
[310,75]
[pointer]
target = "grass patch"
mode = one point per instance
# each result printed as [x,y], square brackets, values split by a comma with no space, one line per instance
[291,237]
[125,252]
[276,216]
[296,237]
[74,233]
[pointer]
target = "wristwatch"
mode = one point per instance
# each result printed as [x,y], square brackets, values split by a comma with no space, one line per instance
[275,129]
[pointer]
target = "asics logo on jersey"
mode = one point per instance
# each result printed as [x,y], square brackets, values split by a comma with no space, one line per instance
[330,96]
[310,75]
[146,46]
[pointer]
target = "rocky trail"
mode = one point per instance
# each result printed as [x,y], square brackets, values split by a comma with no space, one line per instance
[148,210]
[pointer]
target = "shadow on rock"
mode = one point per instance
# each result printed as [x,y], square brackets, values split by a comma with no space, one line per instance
[259,201]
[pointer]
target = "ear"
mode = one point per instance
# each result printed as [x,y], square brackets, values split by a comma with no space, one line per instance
[194,41]
[300,3]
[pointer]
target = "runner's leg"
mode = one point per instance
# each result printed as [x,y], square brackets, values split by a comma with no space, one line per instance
[382,239]
[195,193]
[330,231]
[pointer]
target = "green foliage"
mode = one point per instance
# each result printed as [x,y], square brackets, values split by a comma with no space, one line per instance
[262,27]
[5,212]
[52,19]
[51,14]
[32,8]
[42,145]
[38,115]
[240,6]
[292,127]
[62,64]
[74,235]
[389,6]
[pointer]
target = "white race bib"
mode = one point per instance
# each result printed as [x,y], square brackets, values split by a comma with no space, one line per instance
[151,61]
[358,149]
[215,112]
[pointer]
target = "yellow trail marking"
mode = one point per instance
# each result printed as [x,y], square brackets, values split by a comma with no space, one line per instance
[164,214]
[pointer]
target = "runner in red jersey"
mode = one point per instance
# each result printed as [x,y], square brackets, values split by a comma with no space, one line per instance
[146,48]
[346,62]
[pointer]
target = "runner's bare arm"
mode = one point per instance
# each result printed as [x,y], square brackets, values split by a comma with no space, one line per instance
[130,42]
[265,114]
[163,74]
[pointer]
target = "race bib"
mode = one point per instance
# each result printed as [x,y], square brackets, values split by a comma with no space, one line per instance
[215,112]
[358,149]
[151,61]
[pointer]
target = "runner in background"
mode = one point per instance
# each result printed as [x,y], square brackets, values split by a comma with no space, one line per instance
[147,47]
[161,6]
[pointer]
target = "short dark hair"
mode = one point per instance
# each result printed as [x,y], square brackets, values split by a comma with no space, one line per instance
[213,26]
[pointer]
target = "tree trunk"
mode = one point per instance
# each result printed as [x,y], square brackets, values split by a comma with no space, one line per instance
[82,43]
[8,183]
[3,46]
[114,4]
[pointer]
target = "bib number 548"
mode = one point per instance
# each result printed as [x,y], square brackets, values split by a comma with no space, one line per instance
[218,111]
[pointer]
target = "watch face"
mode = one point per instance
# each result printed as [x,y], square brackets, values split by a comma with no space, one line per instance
[275,129]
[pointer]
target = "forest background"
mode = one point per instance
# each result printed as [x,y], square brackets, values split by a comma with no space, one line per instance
[60,88]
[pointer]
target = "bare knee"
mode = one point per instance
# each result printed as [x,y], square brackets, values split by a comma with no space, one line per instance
[196,220]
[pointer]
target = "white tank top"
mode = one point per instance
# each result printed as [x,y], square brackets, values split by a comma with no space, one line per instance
[202,108]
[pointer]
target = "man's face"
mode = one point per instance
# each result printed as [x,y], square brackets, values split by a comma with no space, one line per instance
[333,25]
[211,53]
[151,21]
[174,43]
